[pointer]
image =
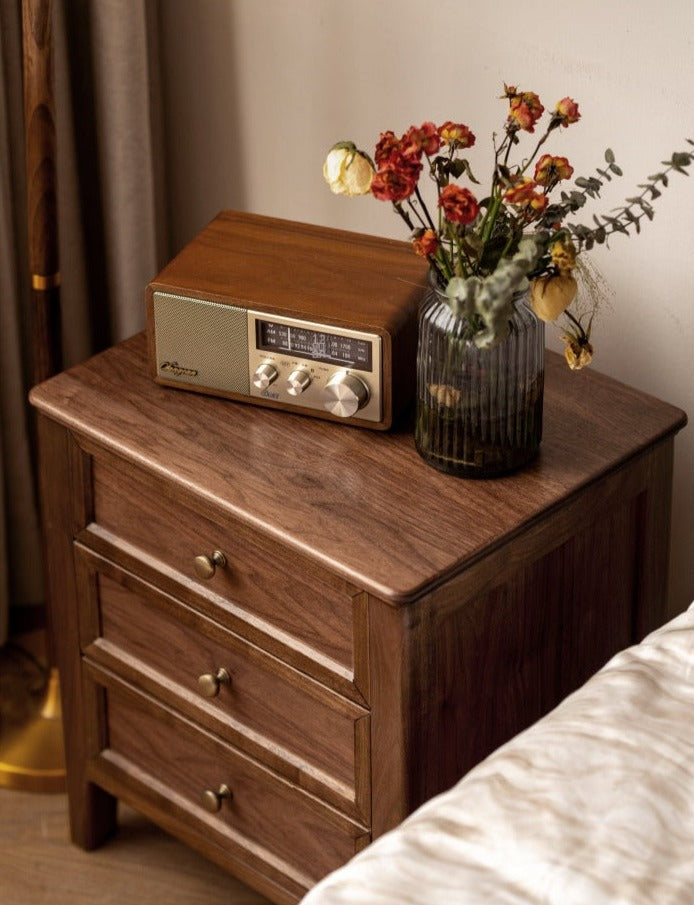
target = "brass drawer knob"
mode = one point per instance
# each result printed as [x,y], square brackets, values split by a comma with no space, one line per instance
[209,683]
[205,566]
[212,801]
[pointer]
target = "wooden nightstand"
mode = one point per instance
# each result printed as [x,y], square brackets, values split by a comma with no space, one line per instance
[358,629]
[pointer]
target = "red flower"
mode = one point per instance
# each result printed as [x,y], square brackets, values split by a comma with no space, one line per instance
[395,180]
[566,112]
[424,139]
[456,134]
[425,243]
[550,170]
[388,145]
[459,205]
[525,110]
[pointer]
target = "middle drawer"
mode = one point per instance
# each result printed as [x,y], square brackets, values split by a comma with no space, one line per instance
[300,728]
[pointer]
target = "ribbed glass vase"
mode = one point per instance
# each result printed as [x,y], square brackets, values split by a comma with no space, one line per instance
[479,411]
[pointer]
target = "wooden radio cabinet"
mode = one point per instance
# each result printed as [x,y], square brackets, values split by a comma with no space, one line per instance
[276,635]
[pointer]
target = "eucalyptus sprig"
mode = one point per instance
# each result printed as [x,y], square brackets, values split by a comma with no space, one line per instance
[623,218]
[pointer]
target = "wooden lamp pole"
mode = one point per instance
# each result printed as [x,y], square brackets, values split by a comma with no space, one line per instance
[32,759]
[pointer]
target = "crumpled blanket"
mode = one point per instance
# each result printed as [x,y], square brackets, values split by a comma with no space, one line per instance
[592,805]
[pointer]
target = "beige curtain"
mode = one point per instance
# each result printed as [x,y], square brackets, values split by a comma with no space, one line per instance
[111,227]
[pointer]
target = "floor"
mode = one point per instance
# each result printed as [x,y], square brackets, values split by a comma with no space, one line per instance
[138,866]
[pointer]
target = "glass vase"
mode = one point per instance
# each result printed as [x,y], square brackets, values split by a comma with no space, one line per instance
[479,411]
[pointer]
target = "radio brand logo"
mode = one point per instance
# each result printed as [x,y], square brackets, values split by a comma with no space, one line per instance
[270,394]
[173,367]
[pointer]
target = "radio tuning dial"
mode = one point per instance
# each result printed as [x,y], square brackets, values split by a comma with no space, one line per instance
[298,381]
[345,394]
[265,375]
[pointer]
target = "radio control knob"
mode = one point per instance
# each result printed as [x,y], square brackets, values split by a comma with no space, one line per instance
[297,382]
[345,394]
[265,375]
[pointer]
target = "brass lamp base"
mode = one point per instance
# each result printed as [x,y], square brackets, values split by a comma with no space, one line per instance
[32,757]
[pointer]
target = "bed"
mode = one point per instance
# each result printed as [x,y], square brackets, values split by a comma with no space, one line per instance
[592,805]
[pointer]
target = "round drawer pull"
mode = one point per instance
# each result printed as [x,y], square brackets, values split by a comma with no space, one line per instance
[205,566]
[212,801]
[209,683]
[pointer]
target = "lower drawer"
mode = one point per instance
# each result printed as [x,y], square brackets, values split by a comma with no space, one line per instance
[266,820]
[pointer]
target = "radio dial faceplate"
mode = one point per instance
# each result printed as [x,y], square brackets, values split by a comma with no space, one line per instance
[298,381]
[265,375]
[345,394]
[314,367]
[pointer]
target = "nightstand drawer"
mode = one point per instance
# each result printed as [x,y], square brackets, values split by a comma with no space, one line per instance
[262,814]
[312,735]
[153,527]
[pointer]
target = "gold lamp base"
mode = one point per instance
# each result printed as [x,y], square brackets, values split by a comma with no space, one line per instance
[32,757]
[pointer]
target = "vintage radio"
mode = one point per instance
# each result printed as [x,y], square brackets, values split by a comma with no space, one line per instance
[313,320]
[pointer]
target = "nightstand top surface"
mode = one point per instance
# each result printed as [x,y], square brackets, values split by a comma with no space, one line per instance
[358,501]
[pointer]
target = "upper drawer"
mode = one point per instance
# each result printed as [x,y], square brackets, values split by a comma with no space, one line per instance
[270,593]
[314,736]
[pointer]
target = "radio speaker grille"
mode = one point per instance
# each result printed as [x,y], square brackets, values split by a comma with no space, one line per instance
[201,343]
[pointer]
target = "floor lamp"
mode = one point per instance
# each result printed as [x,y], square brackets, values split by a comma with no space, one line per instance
[32,758]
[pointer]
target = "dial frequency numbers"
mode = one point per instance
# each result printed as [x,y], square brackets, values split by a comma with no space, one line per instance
[330,348]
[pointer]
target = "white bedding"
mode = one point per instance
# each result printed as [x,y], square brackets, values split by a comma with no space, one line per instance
[593,805]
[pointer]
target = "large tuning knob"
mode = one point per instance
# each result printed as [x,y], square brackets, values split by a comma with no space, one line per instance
[345,394]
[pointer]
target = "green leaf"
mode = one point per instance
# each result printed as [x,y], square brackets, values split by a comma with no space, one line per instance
[609,155]
[616,170]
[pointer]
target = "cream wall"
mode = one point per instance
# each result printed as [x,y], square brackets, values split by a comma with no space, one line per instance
[256,91]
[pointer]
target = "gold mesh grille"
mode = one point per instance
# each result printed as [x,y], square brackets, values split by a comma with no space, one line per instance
[201,343]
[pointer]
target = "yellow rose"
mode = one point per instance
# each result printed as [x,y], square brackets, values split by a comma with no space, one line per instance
[550,295]
[347,170]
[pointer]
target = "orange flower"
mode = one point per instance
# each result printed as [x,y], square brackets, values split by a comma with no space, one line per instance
[536,205]
[456,134]
[550,170]
[566,112]
[425,243]
[459,205]
[521,192]
[525,110]
[524,196]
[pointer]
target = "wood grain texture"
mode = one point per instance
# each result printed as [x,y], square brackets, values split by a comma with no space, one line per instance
[40,152]
[92,811]
[315,608]
[362,504]
[477,660]
[290,836]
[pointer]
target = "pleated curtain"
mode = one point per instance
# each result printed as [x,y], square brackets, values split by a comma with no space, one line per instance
[111,224]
